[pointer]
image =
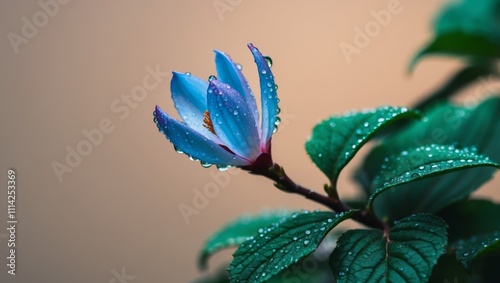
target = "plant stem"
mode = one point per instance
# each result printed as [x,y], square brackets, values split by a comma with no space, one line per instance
[284,183]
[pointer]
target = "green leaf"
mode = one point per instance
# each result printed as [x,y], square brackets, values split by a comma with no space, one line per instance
[460,80]
[467,28]
[423,162]
[335,141]
[468,218]
[460,44]
[238,231]
[446,123]
[282,245]
[477,247]
[449,270]
[407,253]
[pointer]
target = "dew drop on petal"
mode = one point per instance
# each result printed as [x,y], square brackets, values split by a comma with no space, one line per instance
[205,164]
[269,61]
[222,167]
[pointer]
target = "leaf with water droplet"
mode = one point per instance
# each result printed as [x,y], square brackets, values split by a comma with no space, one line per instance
[476,248]
[238,231]
[277,247]
[406,254]
[335,141]
[448,123]
[424,162]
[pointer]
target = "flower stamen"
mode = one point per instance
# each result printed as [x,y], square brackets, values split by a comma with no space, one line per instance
[207,122]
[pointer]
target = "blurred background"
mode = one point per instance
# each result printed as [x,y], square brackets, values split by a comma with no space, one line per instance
[100,191]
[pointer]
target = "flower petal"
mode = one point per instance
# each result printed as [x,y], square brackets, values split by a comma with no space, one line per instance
[193,143]
[269,97]
[189,94]
[229,73]
[232,120]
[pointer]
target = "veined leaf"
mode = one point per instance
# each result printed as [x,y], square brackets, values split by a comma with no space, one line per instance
[238,231]
[335,141]
[447,123]
[406,254]
[282,245]
[423,162]
[477,247]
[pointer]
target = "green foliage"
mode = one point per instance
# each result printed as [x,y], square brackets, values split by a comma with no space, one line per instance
[416,184]
[335,141]
[447,123]
[467,28]
[238,231]
[468,218]
[477,247]
[406,254]
[424,162]
[282,245]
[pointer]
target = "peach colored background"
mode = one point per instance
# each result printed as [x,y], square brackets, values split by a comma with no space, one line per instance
[119,207]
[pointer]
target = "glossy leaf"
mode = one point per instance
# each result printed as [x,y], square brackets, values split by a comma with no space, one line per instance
[424,162]
[447,123]
[477,247]
[335,141]
[282,245]
[238,231]
[467,28]
[406,254]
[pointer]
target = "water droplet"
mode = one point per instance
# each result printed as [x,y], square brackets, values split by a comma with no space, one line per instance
[211,78]
[205,164]
[187,73]
[239,66]
[178,150]
[277,121]
[308,232]
[263,72]
[306,242]
[295,238]
[269,61]
[235,112]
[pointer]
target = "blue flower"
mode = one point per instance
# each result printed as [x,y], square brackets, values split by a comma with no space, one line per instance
[220,120]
